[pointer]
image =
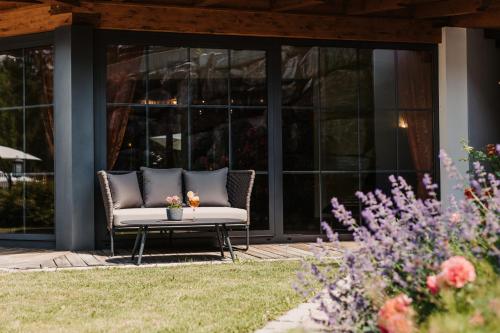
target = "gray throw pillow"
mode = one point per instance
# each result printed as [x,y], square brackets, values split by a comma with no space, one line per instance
[125,190]
[159,184]
[209,185]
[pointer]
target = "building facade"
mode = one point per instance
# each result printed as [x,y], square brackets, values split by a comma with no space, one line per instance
[315,117]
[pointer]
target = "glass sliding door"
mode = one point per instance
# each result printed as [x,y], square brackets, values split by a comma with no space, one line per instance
[351,117]
[26,141]
[192,108]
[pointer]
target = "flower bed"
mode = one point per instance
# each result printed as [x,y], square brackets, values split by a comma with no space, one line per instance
[418,259]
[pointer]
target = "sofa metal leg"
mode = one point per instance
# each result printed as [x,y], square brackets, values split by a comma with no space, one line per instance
[136,243]
[111,235]
[219,241]
[247,229]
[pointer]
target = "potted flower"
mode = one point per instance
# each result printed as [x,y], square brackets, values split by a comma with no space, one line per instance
[174,208]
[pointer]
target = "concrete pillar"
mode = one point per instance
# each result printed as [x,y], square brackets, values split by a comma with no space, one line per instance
[74,138]
[453,100]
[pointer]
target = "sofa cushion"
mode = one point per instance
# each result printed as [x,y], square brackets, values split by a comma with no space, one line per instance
[209,185]
[133,214]
[160,183]
[125,190]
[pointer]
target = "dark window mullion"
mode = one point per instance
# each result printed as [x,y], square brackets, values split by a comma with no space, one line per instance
[229,112]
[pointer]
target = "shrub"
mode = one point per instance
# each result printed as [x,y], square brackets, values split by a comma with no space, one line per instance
[404,243]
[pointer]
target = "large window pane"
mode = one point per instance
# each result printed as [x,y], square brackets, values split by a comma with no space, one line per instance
[168,138]
[339,140]
[11,78]
[259,211]
[126,138]
[26,141]
[168,75]
[300,138]
[126,74]
[209,138]
[11,180]
[249,139]
[209,76]
[248,78]
[39,75]
[300,203]
[299,76]
[384,79]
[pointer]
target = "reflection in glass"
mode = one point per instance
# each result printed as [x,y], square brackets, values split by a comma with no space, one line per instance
[300,148]
[39,75]
[299,75]
[126,74]
[414,79]
[11,78]
[339,140]
[259,213]
[209,138]
[26,141]
[248,78]
[372,181]
[249,139]
[300,203]
[378,140]
[39,203]
[168,138]
[209,76]
[338,79]
[39,139]
[126,138]
[168,74]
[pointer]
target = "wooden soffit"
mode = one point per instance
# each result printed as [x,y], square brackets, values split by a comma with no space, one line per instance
[119,15]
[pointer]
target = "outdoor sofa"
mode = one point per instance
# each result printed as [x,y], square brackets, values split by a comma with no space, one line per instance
[140,195]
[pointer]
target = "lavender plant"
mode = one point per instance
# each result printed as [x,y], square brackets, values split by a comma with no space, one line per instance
[401,241]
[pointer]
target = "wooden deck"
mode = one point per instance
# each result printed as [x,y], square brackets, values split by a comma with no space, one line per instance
[15,259]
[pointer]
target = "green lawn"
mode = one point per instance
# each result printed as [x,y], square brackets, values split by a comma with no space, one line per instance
[237,297]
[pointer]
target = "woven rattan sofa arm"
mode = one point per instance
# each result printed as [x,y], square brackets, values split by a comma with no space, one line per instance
[239,189]
[106,196]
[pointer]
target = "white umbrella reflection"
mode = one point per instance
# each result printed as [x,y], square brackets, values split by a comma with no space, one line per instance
[7,153]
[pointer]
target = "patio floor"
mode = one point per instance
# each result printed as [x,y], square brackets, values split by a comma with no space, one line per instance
[20,259]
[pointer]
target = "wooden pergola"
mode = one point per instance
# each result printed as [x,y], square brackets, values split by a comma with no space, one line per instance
[415,21]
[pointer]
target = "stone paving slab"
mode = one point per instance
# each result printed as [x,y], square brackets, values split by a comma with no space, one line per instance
[297,320]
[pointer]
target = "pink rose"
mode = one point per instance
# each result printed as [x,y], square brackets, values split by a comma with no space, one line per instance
[457,272]
[169,200]
[433,284]
[396,315]
[455,218]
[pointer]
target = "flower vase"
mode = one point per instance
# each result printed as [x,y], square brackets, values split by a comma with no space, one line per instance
[174,214]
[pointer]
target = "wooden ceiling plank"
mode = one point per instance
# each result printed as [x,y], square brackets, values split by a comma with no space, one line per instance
[449,8]
[486,20]
[286,5]
[208,3]
[263,24]
[31,19]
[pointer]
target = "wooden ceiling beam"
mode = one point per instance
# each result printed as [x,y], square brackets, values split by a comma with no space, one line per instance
[486,20]
[363,7]
[261,23]
[286,5]
[451,8]
[31,19]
